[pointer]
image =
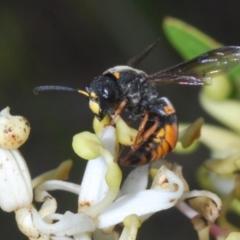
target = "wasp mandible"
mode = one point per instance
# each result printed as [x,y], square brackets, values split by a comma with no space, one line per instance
[126,88]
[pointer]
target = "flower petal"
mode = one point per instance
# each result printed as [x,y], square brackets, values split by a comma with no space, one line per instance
[136,180]
[190,133]
[15,181]
[220,89]
[108,139]
[142,203]
[79,236]
[125,134]
[98,126]
[222,185]
[220,140]
[25,223]
[102,177]
[51,185]
[59,173]
[227,166]
[206,203]
[227,111]
[68,225]
[113,178]
[93,186]
[233,236]
[85,145]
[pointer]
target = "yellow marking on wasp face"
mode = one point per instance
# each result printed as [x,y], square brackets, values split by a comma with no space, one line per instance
[83,93]
[94,107]
[93,95]
[117,75]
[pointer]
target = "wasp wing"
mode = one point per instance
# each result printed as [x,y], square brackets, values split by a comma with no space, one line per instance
[134,61]
[200,70]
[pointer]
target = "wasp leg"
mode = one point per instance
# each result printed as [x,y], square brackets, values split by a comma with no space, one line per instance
[145,135]
[121,148]
[141,161]
[140,130]
[151,130]
[118,111]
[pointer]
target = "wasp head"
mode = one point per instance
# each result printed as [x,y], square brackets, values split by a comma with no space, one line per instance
[104,94]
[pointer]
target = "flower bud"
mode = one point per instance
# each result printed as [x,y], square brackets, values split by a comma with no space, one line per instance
[14,130]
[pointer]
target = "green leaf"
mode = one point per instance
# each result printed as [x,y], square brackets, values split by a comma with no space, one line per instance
[189,41]
[235,77]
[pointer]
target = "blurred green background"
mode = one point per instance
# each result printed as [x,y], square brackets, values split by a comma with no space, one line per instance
[67,43]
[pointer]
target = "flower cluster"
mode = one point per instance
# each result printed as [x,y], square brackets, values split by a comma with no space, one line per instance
[102,203]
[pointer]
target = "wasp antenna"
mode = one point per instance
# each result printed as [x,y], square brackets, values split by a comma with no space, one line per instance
[134,61]
[38,89]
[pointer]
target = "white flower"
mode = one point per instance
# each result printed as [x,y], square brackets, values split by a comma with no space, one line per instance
[15,180]
[101,202]
[101,205]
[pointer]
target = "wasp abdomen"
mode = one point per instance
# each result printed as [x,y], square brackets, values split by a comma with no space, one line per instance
[163,139]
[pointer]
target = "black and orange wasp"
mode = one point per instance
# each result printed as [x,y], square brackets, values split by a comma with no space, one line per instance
[126,88]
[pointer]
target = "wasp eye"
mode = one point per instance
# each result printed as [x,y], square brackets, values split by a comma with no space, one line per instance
[108,93]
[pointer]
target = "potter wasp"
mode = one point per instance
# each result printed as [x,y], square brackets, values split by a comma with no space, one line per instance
[126,88]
